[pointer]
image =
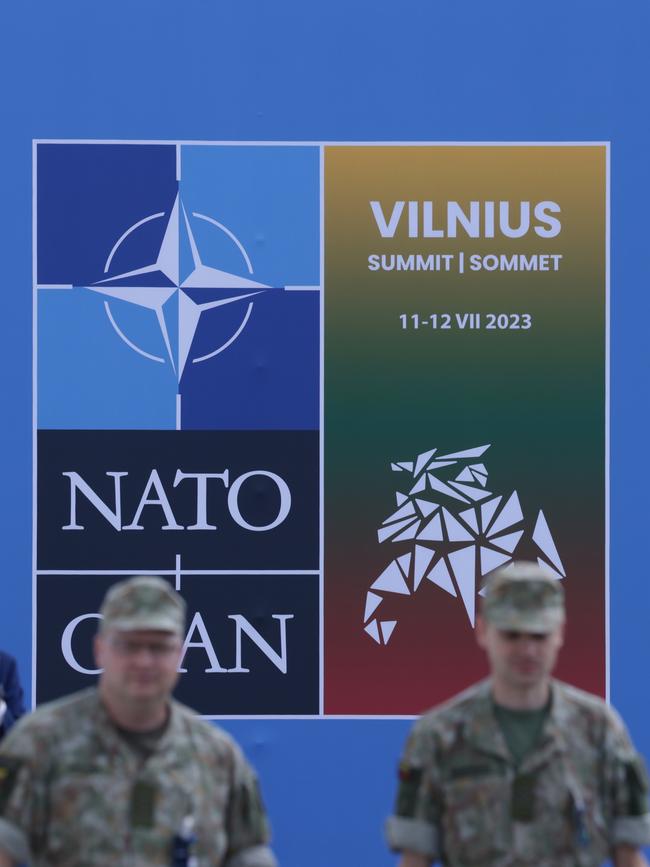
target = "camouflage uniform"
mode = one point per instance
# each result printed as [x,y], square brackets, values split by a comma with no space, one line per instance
[580,790]
[74,794]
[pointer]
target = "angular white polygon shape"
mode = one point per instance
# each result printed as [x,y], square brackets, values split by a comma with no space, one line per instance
[392,581]
[550,569]
[509,515]
[477,477]
[455,530]
[387,627]
[463,563]
[372,603]
[465,476]
[436,465]
[410,533]
[421,461]
[426,507]
[423,557]
[542,537]
[406,511]
[168,258]
[400,498]
[404,562]
[479,468]
[492,560]
[433,530]
[472,493]
[440,575]
[384,533]
[406,465]
[468,453]
[420,485]
[509,542]
[396,468]
[373,631]
[470,516]
[442,488]
[487,511]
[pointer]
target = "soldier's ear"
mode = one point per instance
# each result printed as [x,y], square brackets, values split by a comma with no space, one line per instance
[98,650]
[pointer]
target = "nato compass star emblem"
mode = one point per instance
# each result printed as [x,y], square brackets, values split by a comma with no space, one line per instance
[177,286]
[177,294]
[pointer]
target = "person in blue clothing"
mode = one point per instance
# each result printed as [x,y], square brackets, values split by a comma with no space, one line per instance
[11,693]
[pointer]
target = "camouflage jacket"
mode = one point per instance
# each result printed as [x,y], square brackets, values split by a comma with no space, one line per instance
[73,793]
[462,800]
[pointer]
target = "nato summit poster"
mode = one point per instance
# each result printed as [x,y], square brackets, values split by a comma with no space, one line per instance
[322,388]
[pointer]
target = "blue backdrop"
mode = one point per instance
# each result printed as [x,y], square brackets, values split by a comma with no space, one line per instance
[289,70]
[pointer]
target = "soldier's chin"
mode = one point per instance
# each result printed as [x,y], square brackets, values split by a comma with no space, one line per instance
[528,675]
[529,671]
[145,690]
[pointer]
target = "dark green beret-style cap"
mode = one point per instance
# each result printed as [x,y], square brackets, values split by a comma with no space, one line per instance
[523,597]
[143,602]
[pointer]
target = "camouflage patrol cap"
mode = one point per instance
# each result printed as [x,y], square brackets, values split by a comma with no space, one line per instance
[524,598]
[143,603]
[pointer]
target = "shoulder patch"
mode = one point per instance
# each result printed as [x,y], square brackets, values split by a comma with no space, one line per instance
[407,773]
[407,793]
[637,785]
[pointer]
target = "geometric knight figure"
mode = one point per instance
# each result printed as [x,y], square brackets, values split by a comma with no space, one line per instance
[452,531]
[180,292]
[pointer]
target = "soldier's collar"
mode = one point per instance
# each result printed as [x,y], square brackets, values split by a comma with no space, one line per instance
[481,728]
[559,719]
[561,708]
[107,729]
[484,732]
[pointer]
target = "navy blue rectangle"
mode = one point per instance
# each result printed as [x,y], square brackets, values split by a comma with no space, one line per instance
[269,378]
[88,195]
[224,611]
[268,473]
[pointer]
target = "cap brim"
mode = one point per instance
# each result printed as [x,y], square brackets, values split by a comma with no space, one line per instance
[153,624]
[522,621]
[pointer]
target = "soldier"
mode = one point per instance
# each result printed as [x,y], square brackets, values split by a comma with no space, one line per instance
[521,770]
[122,774]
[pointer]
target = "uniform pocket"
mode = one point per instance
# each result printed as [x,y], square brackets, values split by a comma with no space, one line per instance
[475,819]
[86,815]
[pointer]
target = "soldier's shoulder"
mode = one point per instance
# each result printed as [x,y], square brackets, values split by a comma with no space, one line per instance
[71,708]
[458,709]
[52,722]
[580,700]
[208,738]
[575,705]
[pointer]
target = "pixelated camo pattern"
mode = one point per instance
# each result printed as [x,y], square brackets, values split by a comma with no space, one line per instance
[559,808]
[83,798]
